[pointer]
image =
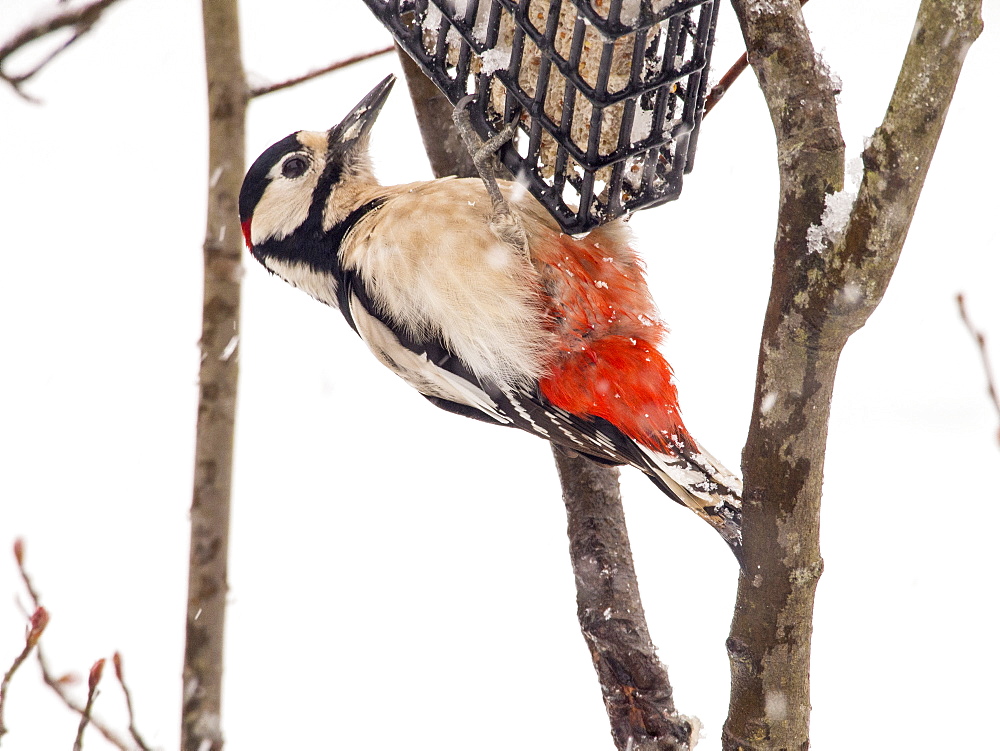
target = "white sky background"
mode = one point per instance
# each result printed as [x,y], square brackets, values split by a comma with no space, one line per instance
[400,575]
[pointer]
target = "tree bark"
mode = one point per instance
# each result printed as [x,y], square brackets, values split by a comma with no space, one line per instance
[635,685]
[820,295]
[209,551]
[443,143]
[636,689]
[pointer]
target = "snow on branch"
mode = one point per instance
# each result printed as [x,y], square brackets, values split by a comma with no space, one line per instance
[829,276]
[898,155]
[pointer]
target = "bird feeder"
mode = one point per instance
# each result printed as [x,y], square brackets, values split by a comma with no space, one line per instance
[609,94]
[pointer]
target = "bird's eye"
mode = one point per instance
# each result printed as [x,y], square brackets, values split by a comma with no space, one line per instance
[295,166]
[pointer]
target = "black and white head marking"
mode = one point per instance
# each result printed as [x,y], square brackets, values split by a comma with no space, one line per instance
[301,191]
[280,187]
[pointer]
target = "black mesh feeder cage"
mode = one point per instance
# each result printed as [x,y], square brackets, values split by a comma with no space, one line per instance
[609,93]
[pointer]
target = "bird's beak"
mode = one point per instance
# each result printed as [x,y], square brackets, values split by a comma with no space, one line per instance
[359,121]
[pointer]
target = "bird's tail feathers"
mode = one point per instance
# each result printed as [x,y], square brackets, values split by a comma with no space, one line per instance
[699,481]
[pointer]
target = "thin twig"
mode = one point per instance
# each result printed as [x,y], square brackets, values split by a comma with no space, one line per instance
[58,685]
[81,19]
[132,729]
[96,671]
[719,90]
[270,88]
[16,81]
[19,557]
[980,339]
[36,625]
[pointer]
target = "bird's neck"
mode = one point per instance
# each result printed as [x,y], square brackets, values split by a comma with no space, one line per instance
[309,258]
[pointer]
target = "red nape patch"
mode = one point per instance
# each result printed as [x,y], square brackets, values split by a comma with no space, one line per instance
[627,382]
[246,231]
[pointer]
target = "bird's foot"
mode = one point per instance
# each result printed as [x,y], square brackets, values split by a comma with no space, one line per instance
[504,222]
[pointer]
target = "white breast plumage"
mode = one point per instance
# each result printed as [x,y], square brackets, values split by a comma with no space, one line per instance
[318,284]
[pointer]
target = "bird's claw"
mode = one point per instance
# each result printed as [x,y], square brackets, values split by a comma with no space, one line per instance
[504,222]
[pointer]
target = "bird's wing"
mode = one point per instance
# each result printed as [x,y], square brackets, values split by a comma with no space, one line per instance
[683,471]
[429,366]
[424,364]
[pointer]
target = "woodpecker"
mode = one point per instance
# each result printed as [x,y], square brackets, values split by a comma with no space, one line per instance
[553,334]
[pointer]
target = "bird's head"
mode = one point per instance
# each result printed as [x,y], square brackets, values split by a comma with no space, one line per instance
[309,181]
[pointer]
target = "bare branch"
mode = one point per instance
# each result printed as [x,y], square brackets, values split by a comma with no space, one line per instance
[819,297]
[637,692]
[80,19]
[719,90]
[270,88]
[980,339]
[445,149]
[19,557]
[635,685]
[36,625]
[770,640]
[96,671]
[132,729]
[58,684]
[218,376]
[897,158]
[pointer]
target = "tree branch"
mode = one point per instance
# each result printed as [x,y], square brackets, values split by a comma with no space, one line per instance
[636,689]
[96,671]
[735,71]
[827,281]
[36,626]
[443,143]
[899,154]
[132,729]
[58,685]
[80,19]
[635,685]
[38,622]
[270,88]
[980,339]
[223,248]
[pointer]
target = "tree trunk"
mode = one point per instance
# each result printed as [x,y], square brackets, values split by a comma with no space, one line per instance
[207,583]
[827,282]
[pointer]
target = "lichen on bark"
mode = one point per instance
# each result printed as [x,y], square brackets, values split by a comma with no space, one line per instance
[818,299]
